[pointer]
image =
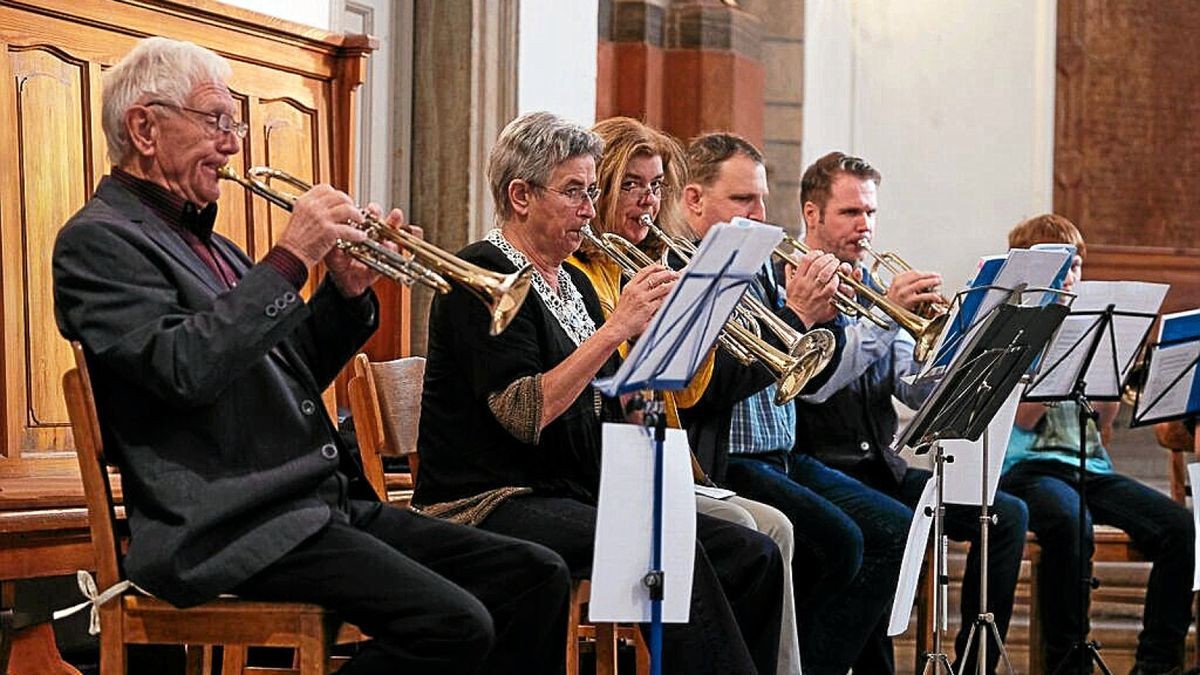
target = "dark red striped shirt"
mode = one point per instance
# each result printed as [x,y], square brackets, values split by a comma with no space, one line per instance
[195,226]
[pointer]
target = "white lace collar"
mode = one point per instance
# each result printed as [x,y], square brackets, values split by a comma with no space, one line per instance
[566,304]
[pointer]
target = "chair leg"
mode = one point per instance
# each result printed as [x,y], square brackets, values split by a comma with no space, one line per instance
[574,615]
[606,649]
[314,655]
[1037,665]
[112,640]
[642,650]
[233,659]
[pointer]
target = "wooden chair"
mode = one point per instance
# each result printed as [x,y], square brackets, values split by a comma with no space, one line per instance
[385,401]
[132,618]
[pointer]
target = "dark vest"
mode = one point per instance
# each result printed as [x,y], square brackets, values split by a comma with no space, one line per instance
[852,430]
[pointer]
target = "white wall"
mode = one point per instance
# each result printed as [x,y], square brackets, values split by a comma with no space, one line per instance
[317,13]
[557,58]
[952,101]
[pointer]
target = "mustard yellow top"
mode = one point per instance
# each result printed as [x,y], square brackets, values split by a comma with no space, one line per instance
[605,276]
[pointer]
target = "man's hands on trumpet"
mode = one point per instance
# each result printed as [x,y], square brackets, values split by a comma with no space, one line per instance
[640,299]
[915,289]
[350,275]
[324,215]
[320,217]
[811,287]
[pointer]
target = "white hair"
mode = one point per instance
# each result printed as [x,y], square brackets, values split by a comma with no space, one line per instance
[158,68]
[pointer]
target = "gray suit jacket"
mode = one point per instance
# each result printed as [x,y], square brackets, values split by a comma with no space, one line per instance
[209,399]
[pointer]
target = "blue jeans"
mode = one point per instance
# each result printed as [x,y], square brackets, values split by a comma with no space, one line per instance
[849,542]
[1161,529]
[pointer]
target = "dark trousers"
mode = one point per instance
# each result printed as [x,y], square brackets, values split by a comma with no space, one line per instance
[736,586]
[1159,527]
[1006,543]
[849,541]
[435,597]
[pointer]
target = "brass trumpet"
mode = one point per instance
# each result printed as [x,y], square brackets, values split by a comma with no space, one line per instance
[925,330]
[750,310]
[429,265]
[894,264]
[809,353]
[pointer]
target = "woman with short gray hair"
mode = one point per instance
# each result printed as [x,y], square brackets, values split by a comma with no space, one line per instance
[510,424]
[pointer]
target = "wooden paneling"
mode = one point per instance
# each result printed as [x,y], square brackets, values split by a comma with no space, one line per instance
[1127,144]
[50,102]
[293,85]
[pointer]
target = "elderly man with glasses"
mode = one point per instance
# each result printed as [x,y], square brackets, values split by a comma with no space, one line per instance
[208,370]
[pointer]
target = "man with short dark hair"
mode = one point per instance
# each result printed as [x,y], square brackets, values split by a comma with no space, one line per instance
[847,553]
[849,423]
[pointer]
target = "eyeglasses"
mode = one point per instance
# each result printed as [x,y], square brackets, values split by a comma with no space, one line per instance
[639,191]
[575,195]
[222,122]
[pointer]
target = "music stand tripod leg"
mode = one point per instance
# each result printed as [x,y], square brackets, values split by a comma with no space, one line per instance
[985,622]
[936,661]
[1085,652]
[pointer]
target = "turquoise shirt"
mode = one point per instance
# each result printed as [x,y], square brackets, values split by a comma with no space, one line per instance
[1056,439]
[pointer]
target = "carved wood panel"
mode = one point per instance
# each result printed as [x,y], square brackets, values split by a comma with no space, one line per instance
[235,208]
[291,83]
[50,97]
[287,127]
[1127,140]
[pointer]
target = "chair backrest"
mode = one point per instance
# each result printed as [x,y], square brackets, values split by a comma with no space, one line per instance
[89,448]
[385,401]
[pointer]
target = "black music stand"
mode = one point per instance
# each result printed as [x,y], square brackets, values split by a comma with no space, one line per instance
[1087,652]
[978,382]
[1148,413]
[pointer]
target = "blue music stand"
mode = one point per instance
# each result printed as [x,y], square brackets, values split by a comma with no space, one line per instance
[672,349]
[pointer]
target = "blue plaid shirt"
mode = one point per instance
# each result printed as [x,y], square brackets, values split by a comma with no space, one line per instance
[758,425]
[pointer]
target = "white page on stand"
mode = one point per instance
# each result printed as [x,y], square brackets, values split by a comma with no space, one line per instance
[1165,366]
[964,474]
[1067,353]
[625,526]
[914,559]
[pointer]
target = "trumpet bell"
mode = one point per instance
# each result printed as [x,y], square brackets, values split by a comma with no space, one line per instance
[927,336]
[811,354]
[504,299]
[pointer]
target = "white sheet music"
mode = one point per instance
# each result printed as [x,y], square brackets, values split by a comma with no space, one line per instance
[672,348]
[1064,359]
[624,526]
[914,559]
[1033,268]
[965,474]
[1164,396]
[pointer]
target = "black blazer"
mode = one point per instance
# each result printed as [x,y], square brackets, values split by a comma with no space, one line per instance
[209,399]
